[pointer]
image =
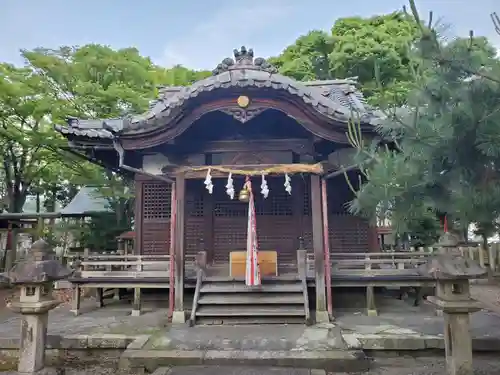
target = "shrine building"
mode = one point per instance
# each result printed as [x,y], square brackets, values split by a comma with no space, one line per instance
[192,152]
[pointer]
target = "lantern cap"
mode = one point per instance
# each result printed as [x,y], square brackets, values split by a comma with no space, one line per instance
[40,266]
[451,266]
[448,239]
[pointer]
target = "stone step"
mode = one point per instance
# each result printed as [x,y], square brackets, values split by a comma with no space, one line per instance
[231,370]
[216,287]
[264,279]
[251,298]
[249,320]
[333,361]
[250,310]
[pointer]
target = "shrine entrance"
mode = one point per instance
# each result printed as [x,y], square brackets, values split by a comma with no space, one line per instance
[218,225]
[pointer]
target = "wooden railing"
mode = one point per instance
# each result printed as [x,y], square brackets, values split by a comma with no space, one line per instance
[396,261]
[128,266]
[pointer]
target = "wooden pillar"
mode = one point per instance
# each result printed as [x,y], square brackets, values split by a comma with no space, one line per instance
[319,256]
[178,315]
[373,247]
[136,306]
[326,248]
[373,243]
[76,300]
[139,203]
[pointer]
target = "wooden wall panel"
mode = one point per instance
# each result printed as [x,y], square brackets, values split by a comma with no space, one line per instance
[155,218]
[277,224]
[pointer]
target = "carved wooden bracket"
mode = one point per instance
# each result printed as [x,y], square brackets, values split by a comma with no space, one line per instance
[243,114]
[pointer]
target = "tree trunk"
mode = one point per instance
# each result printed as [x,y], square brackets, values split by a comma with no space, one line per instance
[485,241]
[17,199]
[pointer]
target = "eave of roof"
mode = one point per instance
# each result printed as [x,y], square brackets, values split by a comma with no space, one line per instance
[337,100]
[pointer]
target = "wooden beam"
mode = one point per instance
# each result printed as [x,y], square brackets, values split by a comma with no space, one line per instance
[29,216]
[256,170]
[319,256]
[180,185]
[297,145]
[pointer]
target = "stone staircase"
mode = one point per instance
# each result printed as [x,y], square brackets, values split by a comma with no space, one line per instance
[229,301]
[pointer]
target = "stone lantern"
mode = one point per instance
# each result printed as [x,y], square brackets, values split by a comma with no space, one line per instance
[448,243]
[4,279]
[35,277]
[452,274]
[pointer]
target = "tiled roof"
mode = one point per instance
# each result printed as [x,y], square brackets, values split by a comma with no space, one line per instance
[91,128]
[87,201]
[336,99]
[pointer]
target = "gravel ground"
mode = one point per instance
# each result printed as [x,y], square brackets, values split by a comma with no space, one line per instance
[382,366]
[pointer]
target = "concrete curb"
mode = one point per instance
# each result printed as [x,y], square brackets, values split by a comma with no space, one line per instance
[355,341]
[333,360]
[102,341]
[392,342]
[168,371]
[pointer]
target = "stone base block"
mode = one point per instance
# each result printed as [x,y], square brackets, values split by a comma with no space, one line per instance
[322,317]
[45,371]
[178,317]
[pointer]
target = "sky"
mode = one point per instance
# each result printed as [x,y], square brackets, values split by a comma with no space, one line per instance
[200,33]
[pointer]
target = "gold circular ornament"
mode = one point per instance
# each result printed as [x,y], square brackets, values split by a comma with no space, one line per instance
[243,101]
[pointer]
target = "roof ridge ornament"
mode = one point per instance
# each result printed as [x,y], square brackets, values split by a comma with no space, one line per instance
[244,59]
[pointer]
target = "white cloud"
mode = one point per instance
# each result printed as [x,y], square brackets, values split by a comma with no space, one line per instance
[205,45]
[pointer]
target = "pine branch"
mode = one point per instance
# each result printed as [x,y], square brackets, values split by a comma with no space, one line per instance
[496,22]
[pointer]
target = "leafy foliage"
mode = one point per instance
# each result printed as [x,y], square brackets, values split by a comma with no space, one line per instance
[351,49]
[30,146]
[445,149]
[91,81]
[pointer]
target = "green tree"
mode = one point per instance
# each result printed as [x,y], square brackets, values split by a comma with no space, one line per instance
[26,135]
[179,76]
[97,81]
[352,48]
[445,148]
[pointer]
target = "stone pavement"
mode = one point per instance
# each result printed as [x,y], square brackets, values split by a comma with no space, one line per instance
[488,294]
[402,365]
[400,316]
[114,318]
[399,326]
[396,319]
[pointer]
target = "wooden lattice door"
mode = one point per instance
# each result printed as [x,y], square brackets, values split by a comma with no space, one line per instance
[229,221]
[346,232]
[278,226]
[197,218]
[155,218]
